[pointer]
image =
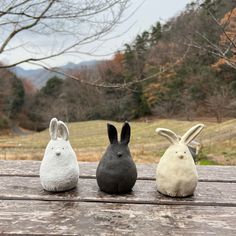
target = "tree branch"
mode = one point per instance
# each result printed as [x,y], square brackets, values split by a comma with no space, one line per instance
[15,32]
[117,85]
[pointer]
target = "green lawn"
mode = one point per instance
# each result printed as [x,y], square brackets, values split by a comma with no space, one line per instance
[89,139]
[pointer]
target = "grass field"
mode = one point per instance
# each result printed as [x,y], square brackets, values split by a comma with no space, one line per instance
[89,140]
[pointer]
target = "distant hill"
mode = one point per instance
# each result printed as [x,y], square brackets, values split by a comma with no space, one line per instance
[39,77]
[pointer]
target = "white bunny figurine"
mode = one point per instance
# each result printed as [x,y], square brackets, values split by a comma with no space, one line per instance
[59,170]
[176,173]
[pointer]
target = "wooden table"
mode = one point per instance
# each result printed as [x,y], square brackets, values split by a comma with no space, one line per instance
[25,208]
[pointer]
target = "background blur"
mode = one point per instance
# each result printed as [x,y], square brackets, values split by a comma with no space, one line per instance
[154,64]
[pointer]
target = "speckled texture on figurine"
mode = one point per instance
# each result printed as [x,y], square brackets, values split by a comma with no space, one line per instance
[59,170]
[116,172]
[176,173]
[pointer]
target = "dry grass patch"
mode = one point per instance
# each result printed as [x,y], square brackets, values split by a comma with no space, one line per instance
[89,139]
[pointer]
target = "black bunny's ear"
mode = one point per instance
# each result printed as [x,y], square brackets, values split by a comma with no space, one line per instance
[112,133]
[125,133]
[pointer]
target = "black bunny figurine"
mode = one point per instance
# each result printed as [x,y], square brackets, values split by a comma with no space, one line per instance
[116,172]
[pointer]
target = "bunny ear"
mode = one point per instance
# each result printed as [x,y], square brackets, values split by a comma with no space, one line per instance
[125,133]
[170,135]
[191,133]
[53,128]
[63,130]
[112,133]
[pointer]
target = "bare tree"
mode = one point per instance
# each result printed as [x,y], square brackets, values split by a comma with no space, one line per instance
[225,48]
[220,103]
[64,26]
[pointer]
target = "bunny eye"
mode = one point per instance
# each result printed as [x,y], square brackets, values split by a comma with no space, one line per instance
[52,148]
[63,148]
[176,152]
[184,152]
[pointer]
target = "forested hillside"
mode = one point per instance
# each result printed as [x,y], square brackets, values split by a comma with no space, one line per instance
[183,68]
[11,97]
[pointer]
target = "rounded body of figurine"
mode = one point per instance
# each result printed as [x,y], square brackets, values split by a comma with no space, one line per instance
[116,172]
[176,173]
[59,170]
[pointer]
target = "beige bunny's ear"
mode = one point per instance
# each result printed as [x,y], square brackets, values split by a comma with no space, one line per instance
[63,130]
[192,133]
[170,135]
[53,128]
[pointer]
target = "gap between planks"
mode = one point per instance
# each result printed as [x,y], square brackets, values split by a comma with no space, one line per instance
[141,178]
[168,203]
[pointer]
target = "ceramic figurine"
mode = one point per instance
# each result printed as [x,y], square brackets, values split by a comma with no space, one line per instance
[59,170]
[176,174]
[116,172]
[194,148]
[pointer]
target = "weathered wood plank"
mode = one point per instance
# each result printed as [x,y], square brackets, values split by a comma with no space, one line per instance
[145,192]
[77,218]
[145,171]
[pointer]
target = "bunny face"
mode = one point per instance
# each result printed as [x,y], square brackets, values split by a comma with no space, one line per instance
[178,152]
[59,151]
[116,172]
[176,172]
[118,151]
[59,170]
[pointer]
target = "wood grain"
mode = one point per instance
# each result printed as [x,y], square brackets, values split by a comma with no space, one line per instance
[145,171]
[144,192]
[80,218]
[26,209]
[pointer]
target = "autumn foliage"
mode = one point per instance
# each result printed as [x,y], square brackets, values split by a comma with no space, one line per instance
[228,39]
[169,71]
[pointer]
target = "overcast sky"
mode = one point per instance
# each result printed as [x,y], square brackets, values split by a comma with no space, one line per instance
[148,14]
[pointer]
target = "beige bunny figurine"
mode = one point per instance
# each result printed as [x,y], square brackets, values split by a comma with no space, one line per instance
[176,173]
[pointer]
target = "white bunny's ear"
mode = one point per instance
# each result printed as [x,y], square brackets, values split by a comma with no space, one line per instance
[53,128]
[192,133]
[63,130]
[170,135]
